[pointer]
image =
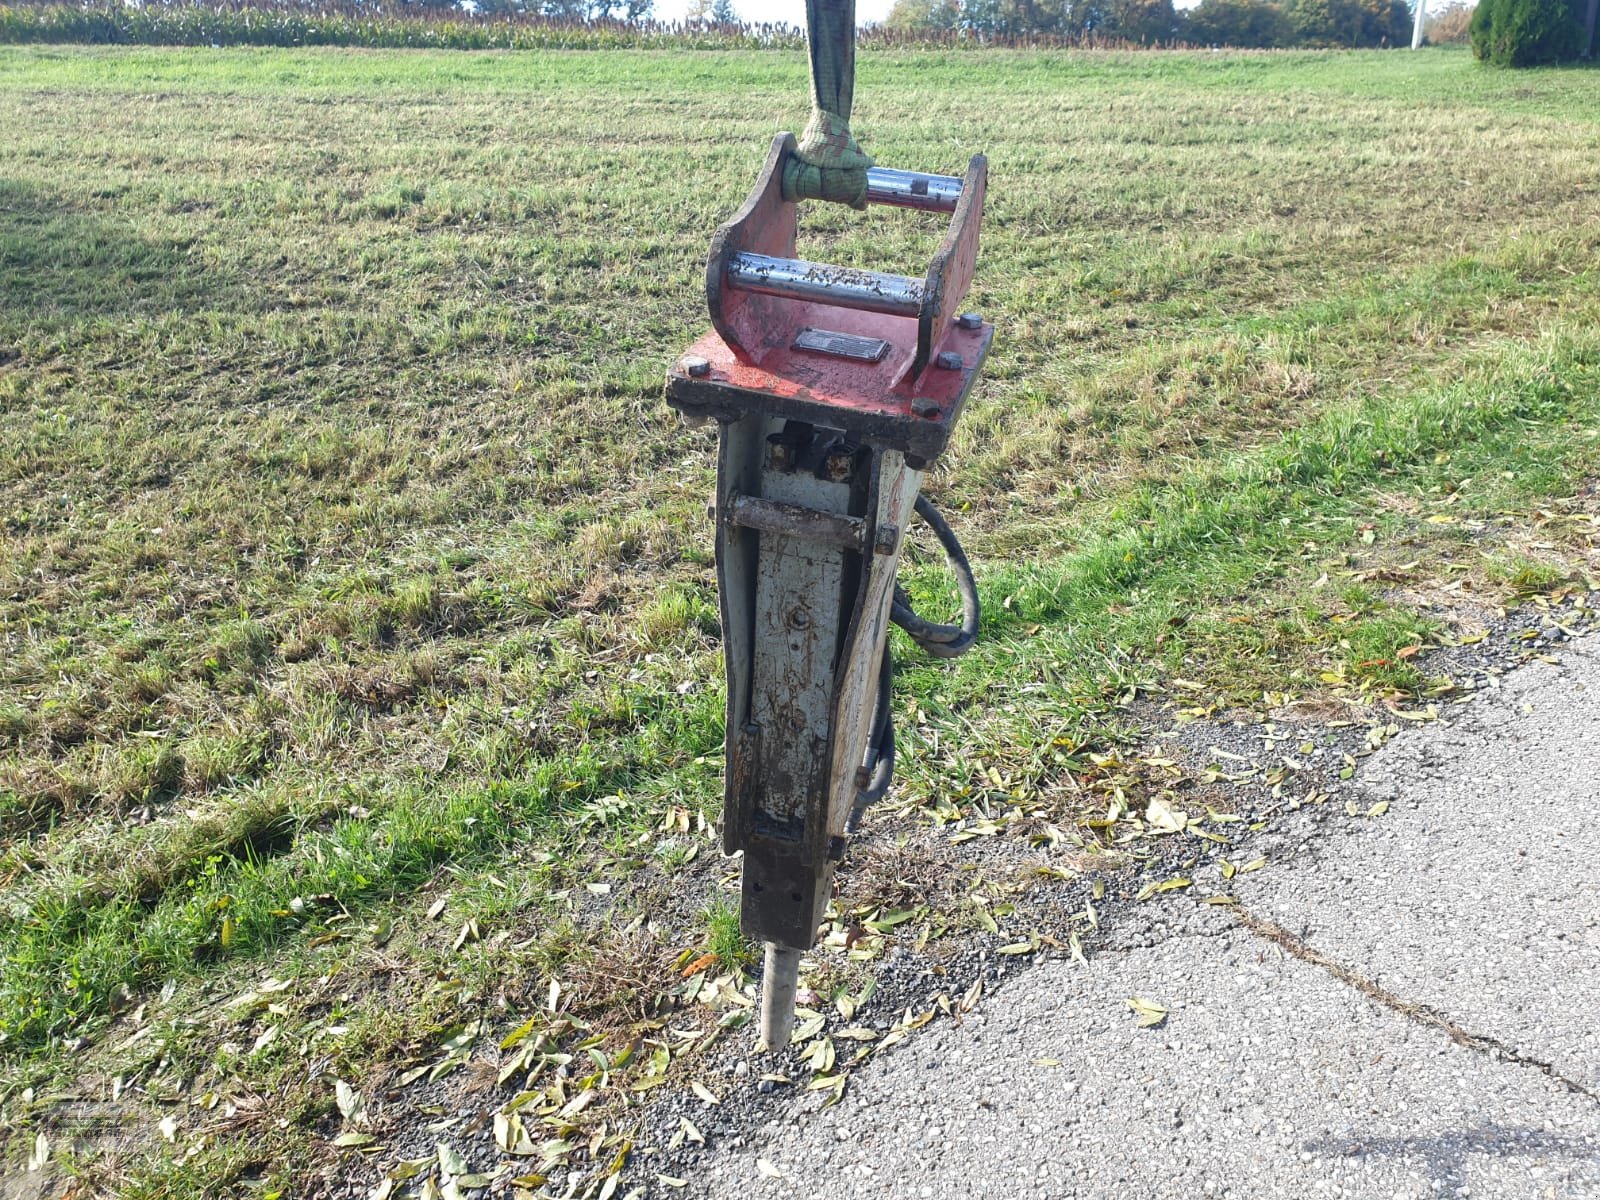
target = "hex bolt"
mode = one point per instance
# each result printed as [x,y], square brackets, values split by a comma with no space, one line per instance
[696,366]
[970,321]
[840,464]
[925,407]
[883,542]
[949,360]
[799,618]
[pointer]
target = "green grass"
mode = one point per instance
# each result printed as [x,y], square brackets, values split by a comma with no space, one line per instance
[351,561]
[724,939]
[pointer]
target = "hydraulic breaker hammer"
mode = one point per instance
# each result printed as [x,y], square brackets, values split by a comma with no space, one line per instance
[833,389]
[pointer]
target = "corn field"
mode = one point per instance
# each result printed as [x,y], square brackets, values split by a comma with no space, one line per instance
[400,26]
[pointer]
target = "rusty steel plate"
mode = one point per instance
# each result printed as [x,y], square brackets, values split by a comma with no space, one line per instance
[869,400]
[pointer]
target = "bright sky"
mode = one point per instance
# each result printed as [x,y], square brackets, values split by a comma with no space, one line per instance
[790,12]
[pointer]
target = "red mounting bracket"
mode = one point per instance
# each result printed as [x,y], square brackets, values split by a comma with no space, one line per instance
[887,359]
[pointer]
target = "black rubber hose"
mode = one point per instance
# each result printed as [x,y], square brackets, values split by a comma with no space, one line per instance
[881,744]
[942,641]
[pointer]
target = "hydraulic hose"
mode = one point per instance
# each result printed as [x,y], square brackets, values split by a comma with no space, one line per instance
[941,641]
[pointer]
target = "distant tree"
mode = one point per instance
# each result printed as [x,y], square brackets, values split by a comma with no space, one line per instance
[1385,23]
[723,13]
[1349,22]
[983,16]
[1138,20]
[917,15]
[1527,33]
[625,10]
[1247,23]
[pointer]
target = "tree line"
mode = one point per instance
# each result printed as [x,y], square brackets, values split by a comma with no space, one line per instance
[1246,23]
[1505,32]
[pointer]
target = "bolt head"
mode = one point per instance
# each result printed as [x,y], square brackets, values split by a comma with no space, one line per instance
[970,321]
[840,465]
[695,366]
[924,407]
[949,360]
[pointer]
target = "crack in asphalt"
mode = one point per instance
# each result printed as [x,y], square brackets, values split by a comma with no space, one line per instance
[1422,1014]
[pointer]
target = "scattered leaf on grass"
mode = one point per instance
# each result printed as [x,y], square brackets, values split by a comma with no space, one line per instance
[351,1103]
[767,1169]
[451,1163]
[1163,818]
[519,1033]
[705,1093]
[700,964]
[437,908]
[580,1102]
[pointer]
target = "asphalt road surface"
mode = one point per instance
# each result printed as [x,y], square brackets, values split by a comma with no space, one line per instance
[1406,1008]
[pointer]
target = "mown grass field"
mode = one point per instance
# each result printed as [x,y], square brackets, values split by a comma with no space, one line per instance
[357,621]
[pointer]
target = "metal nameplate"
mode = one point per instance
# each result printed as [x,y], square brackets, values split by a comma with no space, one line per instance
[841,345]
